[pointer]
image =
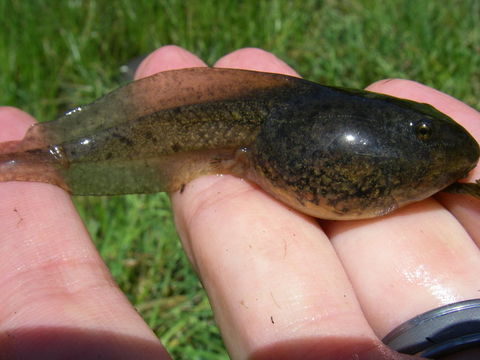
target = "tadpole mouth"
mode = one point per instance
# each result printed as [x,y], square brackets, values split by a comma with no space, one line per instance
[473,152]
[463,154]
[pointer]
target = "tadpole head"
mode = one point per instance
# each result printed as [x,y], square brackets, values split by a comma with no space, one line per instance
[355,155]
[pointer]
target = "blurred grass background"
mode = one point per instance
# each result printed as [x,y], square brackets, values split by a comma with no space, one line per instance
[55,55]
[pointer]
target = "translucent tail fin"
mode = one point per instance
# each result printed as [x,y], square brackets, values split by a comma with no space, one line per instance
[20,164]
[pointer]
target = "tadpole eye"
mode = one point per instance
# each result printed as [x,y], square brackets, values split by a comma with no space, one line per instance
[423,130]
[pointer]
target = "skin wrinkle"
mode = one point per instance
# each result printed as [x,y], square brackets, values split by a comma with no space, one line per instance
[202,204]
[62,282]
[207,201]
[62,268]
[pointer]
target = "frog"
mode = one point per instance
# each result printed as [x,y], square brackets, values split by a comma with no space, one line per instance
[328,152]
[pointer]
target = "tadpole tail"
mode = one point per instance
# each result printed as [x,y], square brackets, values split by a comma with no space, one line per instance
[20,164]
[472,189]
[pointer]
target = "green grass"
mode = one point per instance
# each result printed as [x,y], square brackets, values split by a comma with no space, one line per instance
[58,54]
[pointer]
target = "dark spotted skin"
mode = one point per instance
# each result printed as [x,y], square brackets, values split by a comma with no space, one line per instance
[359,156]
[328,152]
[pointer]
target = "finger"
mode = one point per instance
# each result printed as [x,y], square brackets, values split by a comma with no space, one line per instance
[275,284]
[168,57]
[465,208]
[416,259]
[57,297]
[247,59]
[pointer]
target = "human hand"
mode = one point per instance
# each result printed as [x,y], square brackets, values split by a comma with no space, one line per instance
[279,287]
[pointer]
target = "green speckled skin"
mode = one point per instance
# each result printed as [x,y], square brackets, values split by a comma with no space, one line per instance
[328,152]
